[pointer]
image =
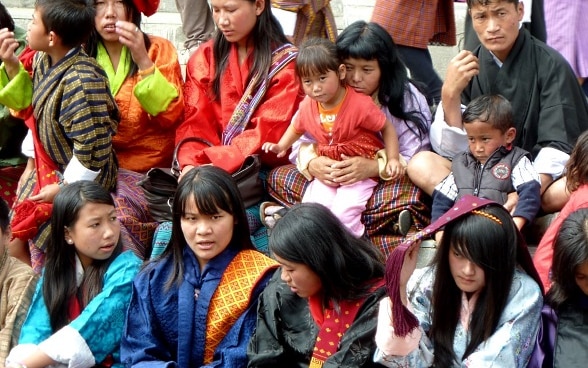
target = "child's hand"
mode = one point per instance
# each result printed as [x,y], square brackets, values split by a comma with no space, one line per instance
[273,147]
[394,168]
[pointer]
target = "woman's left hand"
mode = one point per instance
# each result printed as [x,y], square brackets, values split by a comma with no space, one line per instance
[132,37]
[353,169]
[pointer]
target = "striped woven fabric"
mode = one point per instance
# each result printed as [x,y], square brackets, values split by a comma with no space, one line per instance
[286,185]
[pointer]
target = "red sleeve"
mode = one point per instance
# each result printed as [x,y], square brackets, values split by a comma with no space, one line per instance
[543,256]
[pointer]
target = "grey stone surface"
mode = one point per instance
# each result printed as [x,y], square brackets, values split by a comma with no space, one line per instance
[166,22]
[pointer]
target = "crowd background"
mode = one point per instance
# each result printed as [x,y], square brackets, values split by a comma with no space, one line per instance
[166,23]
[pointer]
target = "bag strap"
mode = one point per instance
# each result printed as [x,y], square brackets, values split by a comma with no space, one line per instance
[251,99]
[175,169]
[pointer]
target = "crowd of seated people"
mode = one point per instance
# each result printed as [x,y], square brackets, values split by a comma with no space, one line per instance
[89,278]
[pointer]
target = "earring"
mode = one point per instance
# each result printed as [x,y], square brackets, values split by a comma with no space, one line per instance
[69,241]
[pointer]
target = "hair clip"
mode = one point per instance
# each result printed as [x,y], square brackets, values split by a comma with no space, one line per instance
[487,215]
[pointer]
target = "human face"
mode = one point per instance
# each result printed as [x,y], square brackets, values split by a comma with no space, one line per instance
[582,277]
[326,88]
[95,233]
[38,37]
[468,276]
[300,278]
[484,140]
[207,235]
[236,19]
[363,75]
[108,12]
[497,25]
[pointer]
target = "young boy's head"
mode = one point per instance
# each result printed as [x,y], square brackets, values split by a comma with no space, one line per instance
[60,23]
[4,225]
[489,124]
[320,71]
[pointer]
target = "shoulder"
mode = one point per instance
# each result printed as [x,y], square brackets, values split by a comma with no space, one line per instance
[525,294]
[87,71]
[161,47]
[19,275]
[126,263]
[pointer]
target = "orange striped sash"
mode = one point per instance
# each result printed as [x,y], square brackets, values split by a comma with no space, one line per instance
[232,296]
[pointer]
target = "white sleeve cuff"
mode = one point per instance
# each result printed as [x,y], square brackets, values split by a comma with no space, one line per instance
[75,171]
[447,141]
[68,347]
[20,352]
[27,146]
[551,161]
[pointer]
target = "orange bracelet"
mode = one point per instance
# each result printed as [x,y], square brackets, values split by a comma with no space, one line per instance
[147,71]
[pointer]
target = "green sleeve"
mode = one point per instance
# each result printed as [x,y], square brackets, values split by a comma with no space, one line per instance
[16,93]
[155,93]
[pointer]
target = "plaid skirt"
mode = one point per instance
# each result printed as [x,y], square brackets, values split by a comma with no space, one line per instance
[286,185]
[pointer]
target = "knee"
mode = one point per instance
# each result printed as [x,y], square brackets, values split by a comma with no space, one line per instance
[426,170]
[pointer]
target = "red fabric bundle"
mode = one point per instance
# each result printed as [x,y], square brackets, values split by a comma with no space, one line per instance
[147,7]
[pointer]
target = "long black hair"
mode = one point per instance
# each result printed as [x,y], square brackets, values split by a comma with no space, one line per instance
[570,250]
[489,238]
[267,34]
[369,41]
[59,284]
[212,189]
[310,234]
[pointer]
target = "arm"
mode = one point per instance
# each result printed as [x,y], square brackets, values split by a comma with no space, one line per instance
[90,126]
[444,197]
[284,332]
[357,346]
[143,343]
[460,71]
[207,119]
[280,148]
[528,186]
[21,287]
[160,93]
[393,168]
[94,334]
[415,349]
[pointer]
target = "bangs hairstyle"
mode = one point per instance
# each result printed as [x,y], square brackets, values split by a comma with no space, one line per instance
[576,168]
[369,41]
[492,247]
[310,234]
[59,284]
[495,110]
[317,56]
[71,20]
[212,189]
[570,250]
